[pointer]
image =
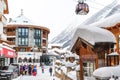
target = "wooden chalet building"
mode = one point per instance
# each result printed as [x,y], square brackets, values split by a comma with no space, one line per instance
[91,44]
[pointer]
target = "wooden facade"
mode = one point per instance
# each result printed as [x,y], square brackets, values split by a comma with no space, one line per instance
[116,31]
[6,11]
[91,53]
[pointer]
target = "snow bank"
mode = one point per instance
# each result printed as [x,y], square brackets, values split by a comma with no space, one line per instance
[107,72]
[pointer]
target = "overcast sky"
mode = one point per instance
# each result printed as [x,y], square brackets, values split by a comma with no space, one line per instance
[53,14]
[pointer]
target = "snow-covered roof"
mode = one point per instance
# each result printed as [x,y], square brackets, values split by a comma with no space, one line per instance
[108,22]
[113,54]
[107,72]
[69,64]
[70,54]
[72,75]
[7,46]
[62,56]
[64,69]
[61,51]
[76,56]
[93,35]
[77,68]
[22,20]
[58,61]
[52,53]
[56,44]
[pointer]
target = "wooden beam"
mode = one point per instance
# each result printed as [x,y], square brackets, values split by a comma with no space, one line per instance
[81,70]
[7,10]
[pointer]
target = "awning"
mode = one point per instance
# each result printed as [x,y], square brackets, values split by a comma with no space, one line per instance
[1,51]
[8,53]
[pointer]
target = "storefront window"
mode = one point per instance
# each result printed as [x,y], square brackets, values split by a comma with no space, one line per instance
[30,60]
[25,59]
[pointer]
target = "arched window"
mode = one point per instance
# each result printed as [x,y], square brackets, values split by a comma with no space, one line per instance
[19,60]
[30,59]
[25,59]
[34,60]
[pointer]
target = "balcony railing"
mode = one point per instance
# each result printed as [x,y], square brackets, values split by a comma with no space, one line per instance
[11,43]
[44,44]
[11,33]
[44,36]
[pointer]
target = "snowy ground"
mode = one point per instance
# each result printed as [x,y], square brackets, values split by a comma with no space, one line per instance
[39,76]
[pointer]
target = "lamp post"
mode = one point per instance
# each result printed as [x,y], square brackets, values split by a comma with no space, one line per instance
[34,49]
[54,65]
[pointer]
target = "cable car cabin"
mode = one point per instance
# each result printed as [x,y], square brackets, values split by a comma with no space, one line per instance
[82,8]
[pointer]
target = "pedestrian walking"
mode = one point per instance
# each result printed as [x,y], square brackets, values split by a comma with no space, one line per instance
[50,70]
[34,73]
[29,69]
[42,69]
[35,69]
[21,69]
[26,69]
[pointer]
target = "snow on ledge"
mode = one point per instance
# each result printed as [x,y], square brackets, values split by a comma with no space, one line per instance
[72,75]
[113,54]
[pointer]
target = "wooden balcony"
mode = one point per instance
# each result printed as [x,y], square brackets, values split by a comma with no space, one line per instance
[44,44]
[44,35]
[11,33]
[11,43]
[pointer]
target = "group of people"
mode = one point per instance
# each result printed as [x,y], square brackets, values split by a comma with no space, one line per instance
[50,70]
[28,70]
[32,70]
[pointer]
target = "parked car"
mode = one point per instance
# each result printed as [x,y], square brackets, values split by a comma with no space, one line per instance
[14,70]
[17,69]
[6,75]
[9,72]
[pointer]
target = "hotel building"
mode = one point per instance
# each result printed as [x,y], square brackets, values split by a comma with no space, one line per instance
[28,39]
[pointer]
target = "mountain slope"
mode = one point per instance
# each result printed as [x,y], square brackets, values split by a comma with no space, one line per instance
[105,12]
[66,35]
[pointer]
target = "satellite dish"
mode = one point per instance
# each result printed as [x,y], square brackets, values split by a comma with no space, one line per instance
[82,8]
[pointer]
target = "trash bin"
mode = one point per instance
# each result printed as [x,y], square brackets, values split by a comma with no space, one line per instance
[3,76]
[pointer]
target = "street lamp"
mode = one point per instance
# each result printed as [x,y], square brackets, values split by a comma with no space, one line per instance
[34,49]
[54,59]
